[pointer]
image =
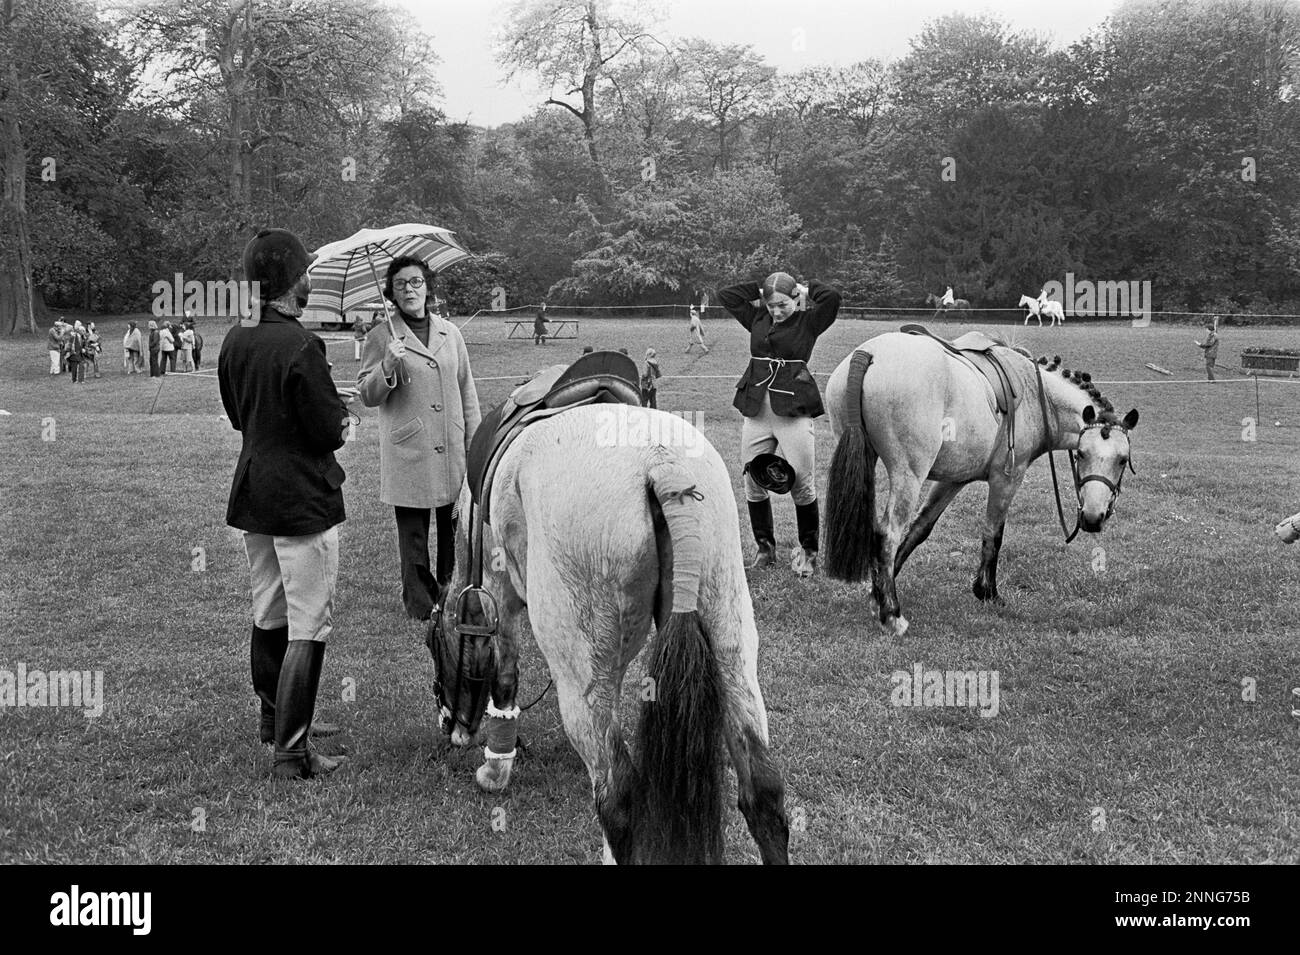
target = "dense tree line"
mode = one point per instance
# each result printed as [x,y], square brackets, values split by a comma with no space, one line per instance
[143,141]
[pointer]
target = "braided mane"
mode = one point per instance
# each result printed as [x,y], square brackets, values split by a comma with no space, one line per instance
[1083,381]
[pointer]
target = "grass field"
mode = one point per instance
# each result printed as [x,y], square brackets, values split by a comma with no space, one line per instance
[1122,733]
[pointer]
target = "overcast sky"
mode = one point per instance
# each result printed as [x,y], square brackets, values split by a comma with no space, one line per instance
[836,32]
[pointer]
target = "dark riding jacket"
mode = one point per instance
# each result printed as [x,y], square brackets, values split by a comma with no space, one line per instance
[780,351]
[277,390]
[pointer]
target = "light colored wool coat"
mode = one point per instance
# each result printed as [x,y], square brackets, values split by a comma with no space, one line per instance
[428,413]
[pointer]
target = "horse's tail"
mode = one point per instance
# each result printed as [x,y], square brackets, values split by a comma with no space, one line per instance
[679,811]
[850,487]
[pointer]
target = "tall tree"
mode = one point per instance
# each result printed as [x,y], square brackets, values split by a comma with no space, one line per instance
[569,46]
[726,83]
[15,243]
[287,91]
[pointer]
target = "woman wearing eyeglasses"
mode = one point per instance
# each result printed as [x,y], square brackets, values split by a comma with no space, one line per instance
[428,411]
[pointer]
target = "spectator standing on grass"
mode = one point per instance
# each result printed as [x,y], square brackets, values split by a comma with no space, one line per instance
[155,344]
[65,346]
[128,360]
[168,346]
[539,325]
[198,345]
[1210,346]
[428,412]
[696,332]
[359,329]
[187,348]
[74,347]
[286,495]
[54,341]
[649,379]
[778,397]
[94,347]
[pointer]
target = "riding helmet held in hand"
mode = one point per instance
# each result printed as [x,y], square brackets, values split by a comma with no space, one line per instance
[772,473]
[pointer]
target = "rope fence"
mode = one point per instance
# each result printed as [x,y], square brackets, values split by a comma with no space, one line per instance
[579,311]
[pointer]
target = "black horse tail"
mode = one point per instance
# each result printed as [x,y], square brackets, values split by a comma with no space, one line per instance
[678,816]
[850,487]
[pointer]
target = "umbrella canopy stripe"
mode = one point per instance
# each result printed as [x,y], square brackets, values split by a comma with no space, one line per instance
[344,274]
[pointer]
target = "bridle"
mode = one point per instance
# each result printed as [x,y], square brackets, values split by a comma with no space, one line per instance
[1113,486]
[478,634]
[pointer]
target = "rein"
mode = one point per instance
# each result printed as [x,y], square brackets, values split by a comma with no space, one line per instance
[1051,460]
[1113,486]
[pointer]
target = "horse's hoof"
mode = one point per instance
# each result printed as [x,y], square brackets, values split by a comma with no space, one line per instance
[895,626]
[494,775]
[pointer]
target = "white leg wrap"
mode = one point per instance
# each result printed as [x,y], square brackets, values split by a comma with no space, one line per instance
[510,714]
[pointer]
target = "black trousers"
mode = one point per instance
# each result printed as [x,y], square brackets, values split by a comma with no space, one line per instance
[421,590]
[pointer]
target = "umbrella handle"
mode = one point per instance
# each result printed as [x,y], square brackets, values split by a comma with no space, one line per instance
[388,315]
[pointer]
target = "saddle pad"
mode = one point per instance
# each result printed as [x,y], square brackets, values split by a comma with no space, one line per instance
[598,377]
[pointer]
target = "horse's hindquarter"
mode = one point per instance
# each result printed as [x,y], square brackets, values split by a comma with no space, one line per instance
[923,408]
[576,487]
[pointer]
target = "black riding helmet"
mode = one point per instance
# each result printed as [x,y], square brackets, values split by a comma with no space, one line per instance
[772,473]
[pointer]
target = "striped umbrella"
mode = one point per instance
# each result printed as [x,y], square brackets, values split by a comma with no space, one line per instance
[346,274]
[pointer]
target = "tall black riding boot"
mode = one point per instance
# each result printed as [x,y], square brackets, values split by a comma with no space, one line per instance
[295,703]
[760,519]
[808,519]
[267,656]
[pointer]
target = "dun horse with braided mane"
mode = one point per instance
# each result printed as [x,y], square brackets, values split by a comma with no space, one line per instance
[588,521]
[980,411]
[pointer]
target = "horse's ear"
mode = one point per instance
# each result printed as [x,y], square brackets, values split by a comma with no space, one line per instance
[1089,414]
[1131,420]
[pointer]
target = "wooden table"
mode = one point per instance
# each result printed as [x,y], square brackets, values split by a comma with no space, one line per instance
[555,327]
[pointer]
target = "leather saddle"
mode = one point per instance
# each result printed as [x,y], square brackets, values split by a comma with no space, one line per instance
[977,351]
[601,377]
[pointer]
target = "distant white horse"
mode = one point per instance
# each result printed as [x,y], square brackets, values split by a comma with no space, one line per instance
[603,520]
[1038,308]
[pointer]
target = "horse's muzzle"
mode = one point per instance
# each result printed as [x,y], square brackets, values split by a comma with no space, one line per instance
[1093,525]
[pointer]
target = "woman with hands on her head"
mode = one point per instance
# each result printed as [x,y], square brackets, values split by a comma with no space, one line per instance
[778,398]
[418,375]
